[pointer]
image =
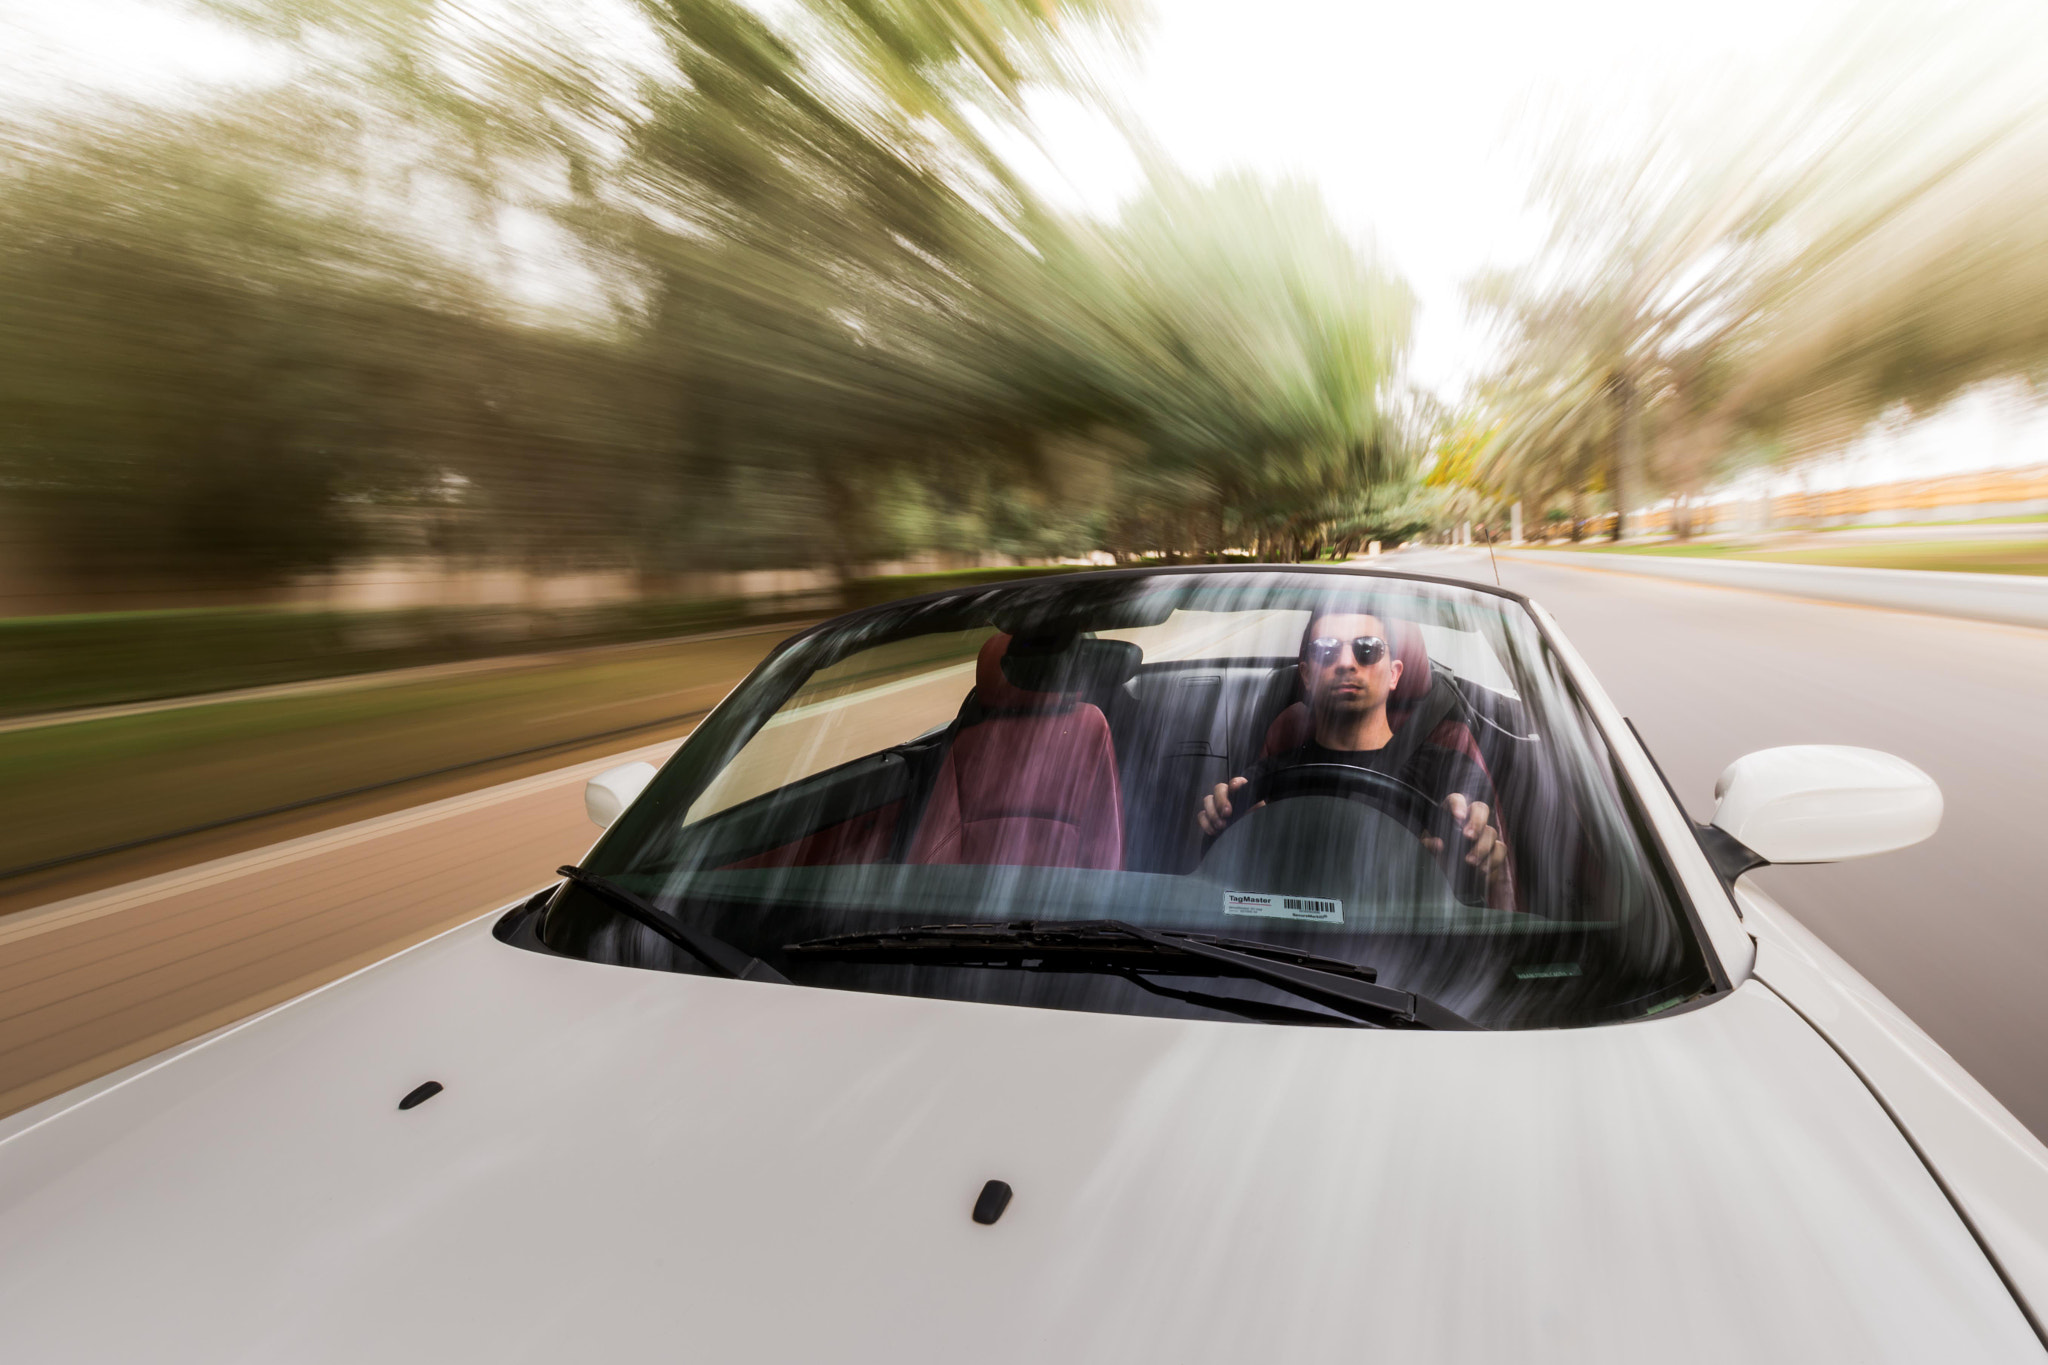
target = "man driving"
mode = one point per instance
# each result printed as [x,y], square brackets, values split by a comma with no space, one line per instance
[1348,672]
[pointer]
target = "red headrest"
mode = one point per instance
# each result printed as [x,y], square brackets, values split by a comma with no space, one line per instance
[1407,645]
[997,693]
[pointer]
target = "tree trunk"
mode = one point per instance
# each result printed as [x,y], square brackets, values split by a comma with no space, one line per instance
[1627,460]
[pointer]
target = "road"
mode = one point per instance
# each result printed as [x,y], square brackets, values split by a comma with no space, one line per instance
[1953,930]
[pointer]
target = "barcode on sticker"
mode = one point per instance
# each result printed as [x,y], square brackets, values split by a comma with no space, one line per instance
[1283,907]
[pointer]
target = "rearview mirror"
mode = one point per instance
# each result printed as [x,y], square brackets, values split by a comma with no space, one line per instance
[612,790]
[1069,665]
[1821,803]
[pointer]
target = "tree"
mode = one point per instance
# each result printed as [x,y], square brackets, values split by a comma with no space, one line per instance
[1250,347]
[1773,274]
[753,291]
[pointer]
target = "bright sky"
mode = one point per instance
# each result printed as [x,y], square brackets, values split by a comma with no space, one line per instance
[49,48]
[1417,119]
[1414,116]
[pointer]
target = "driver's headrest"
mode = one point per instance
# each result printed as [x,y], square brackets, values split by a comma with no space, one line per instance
[997,693]
[1406,642]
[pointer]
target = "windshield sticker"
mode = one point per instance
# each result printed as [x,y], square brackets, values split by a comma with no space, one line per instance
[1283,907]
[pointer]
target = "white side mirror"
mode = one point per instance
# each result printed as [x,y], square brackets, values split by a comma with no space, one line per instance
[1820,803]
[612,790]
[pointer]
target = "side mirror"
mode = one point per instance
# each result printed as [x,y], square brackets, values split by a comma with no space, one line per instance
[1820,803]
[612,790]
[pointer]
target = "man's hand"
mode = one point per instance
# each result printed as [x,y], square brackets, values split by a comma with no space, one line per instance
[1216,810]
[1488,850]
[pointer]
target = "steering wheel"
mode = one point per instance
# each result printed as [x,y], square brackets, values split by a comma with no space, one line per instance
[1404,801]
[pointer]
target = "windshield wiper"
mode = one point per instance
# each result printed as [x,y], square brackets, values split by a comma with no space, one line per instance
[714,953]
[1245,1006]
[1114,945]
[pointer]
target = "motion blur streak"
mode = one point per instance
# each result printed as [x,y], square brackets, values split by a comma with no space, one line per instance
[1768,267]
[643,289]
[650,288]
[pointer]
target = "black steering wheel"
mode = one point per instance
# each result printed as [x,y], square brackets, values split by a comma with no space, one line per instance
[1413,807]
[1403,800]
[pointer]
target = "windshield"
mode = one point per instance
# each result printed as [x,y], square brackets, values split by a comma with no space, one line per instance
[1374,773]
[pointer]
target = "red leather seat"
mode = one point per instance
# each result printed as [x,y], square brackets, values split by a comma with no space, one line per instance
[1033,783]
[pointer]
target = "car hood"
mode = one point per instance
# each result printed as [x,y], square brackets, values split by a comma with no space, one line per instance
[629,1165]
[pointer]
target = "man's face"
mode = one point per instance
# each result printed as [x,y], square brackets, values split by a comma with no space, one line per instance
[1340,686]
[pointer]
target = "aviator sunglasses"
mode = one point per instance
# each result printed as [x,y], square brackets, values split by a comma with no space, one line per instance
[1367,649]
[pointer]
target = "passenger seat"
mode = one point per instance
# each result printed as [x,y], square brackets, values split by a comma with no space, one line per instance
[1029,780]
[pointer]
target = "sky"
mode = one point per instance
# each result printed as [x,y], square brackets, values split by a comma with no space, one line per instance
[52,48]
[1417,120]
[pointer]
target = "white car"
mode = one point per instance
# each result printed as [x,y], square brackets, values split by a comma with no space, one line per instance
[910,1014]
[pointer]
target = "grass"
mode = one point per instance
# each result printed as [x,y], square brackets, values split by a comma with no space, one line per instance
[1987,556]
[61,662]
[76,787]
[2021,557]
[52,663]
[2029,519]
[1689,551]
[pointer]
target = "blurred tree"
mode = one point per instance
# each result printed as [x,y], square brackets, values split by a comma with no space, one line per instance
[1252,349]
[662,285]
[1766,276]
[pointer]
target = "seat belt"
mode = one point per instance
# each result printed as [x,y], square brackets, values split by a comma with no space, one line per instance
[924,778]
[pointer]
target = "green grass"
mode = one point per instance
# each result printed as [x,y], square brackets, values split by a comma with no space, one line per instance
[2030,519]
[1690,551]
[57,662]
[52,663]
[2021,557]
[75,787]
[1982,556]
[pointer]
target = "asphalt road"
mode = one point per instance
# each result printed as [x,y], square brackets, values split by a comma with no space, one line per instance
[1954,930]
